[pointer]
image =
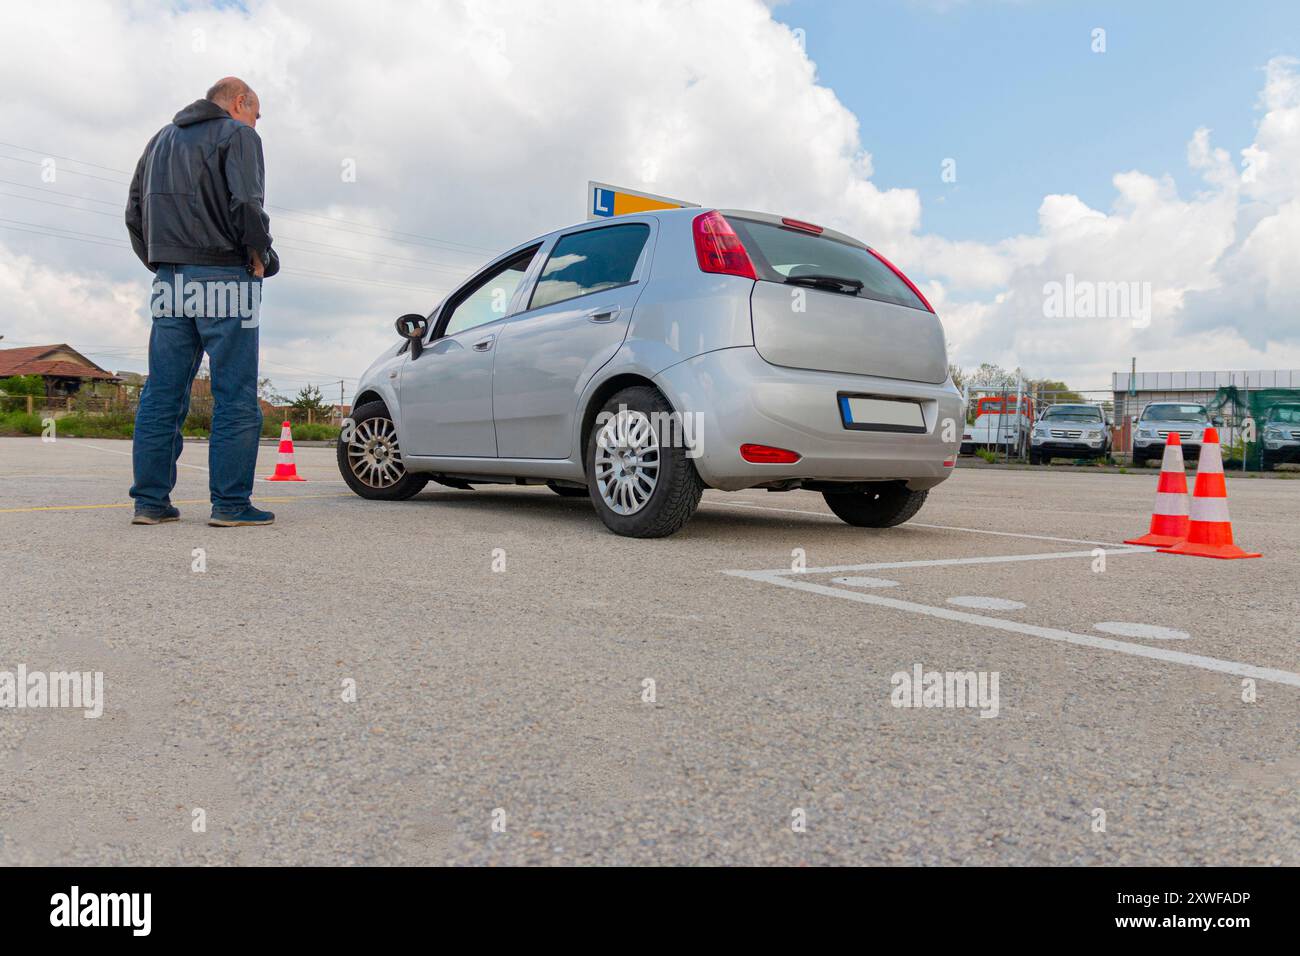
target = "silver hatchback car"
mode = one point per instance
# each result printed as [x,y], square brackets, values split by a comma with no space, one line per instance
[641,359]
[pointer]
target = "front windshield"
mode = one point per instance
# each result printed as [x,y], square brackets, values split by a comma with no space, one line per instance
[1174,413]
[1286,414]
[1073,413]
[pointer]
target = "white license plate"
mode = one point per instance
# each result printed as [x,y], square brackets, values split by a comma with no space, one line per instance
[881,413]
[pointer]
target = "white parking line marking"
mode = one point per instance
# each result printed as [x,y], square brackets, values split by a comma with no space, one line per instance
[989,604]
[942,562]
[857,582]
[1235,668]
[1152,631]
[915,524]
[127,454]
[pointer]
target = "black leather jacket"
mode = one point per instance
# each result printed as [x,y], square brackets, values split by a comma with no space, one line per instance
[196,197]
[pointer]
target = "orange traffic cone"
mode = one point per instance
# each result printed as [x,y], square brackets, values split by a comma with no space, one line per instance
[285,469]
[1169,517]
[1209,533]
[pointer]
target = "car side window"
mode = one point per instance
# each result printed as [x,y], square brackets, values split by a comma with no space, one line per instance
[489,300]
[588,261]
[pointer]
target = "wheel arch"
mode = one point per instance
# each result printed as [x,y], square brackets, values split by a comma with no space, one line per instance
[366,396]
[597,399]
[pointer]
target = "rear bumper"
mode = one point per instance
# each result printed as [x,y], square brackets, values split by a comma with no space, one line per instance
[732,397]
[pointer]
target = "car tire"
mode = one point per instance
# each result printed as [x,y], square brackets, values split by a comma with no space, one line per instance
[625,425]
[371,461]
[1035,458]
[568,491]
[1139,461]
[1266,463]
[891,505]
[966,449]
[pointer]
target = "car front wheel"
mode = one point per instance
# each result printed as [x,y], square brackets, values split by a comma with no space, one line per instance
[640,480]
[370,460]
[890,505]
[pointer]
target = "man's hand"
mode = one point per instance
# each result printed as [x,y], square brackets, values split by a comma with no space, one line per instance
[259,269]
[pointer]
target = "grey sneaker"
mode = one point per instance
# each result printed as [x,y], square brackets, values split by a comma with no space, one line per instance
[249,516]
[156,515]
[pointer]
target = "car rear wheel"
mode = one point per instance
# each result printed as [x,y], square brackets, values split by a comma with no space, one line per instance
[641,484]
[370,460]
[890,505]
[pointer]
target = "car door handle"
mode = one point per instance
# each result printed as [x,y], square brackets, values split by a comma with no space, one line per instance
[602,314]
[483,345]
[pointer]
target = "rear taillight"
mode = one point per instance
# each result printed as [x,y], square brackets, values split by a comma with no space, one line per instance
[767,455]
[718,248]
[899,272]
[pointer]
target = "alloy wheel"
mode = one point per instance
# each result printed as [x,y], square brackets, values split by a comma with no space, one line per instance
[373,454]
[627,461]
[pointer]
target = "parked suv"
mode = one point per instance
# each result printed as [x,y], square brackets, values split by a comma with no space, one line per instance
[1069,431]
[1159,419]
[640,359]
[1281,436]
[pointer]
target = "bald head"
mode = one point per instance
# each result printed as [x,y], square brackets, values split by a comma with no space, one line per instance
[237,98]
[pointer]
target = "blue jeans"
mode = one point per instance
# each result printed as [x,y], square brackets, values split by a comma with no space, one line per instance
[182,332]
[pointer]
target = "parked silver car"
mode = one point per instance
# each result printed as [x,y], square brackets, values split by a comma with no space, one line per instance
[1159,419]
[1281,436]
[1069,431]
[641,359]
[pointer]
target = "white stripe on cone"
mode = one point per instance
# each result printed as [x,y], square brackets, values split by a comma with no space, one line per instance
[1210,509]
[1169,503]
[1173,460]
[1211,459]
[286,458]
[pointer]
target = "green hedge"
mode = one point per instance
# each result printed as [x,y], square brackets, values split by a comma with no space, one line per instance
[122,425]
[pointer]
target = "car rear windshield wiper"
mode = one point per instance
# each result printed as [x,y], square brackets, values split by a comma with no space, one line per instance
[833,283]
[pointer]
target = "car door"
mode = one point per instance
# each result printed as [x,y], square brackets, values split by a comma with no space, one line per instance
[446,393]
[575,320]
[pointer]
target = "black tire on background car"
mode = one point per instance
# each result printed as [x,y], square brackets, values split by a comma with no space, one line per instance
[891,504]
[1139,461]
[1036,459]
[1266,463]
[568,491]
[640,480]
[370,460]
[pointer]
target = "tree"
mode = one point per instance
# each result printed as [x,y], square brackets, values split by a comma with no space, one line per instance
[23,385]
[1055,392]
[267,393]
[990,375]
[310,401]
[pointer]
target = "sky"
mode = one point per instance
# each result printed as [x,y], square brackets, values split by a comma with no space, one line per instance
[999,151]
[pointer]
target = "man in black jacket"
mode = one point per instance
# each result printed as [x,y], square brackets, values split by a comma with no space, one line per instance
[196,221]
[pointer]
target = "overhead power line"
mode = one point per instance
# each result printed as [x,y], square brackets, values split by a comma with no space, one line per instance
[436,240]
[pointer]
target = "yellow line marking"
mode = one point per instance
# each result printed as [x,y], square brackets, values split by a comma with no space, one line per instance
[130,504]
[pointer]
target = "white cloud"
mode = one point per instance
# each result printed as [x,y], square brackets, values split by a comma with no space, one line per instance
[480,123]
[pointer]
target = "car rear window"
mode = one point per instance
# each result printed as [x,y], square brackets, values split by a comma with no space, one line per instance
[590,260]
[780,253]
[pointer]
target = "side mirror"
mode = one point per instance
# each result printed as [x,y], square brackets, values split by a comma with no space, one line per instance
[1218,421]
[413,327]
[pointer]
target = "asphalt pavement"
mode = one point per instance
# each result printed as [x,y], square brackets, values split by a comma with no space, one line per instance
[491,677]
